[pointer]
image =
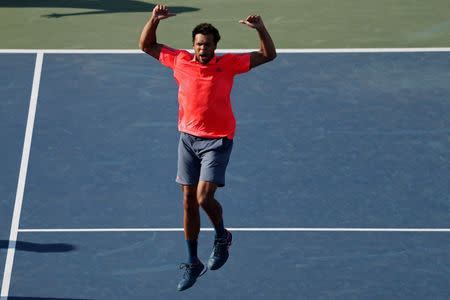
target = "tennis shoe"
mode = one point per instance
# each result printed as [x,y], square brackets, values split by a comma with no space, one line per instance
[191,273]
[220,253]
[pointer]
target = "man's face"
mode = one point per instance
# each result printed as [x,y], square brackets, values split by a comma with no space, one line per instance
[204,47]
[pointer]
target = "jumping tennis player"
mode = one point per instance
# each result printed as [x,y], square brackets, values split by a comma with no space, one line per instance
[206,124]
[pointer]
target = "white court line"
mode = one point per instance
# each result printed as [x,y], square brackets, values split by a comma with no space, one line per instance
[22,176]
[29,132]
[244,229]
[285,50]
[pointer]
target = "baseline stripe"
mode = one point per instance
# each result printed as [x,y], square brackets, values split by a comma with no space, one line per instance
[22,177]
[244,229]
[281,50]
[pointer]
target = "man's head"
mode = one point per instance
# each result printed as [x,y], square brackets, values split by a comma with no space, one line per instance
[205,38]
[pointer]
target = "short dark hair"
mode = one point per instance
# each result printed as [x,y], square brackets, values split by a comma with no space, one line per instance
[206,28]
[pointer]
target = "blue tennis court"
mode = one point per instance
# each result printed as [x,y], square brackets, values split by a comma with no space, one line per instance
[338,186]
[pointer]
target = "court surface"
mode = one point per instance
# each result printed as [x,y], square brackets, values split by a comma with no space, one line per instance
[116,24]
[337,187]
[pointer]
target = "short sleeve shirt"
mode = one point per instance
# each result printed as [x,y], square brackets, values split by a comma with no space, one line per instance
[204,91]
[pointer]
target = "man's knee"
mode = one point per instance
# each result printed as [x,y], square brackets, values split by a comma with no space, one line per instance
[204,199]
[205,193]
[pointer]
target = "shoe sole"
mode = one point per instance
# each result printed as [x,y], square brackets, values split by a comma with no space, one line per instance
[200,275]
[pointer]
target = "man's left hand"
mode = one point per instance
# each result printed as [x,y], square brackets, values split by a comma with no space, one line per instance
[253,21]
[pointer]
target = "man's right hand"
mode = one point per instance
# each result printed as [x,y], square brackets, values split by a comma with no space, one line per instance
[161,12]
[147,40]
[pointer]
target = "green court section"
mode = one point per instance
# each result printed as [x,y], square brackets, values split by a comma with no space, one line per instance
[116,24]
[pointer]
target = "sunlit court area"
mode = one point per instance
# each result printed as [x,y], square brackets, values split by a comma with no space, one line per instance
[338,185]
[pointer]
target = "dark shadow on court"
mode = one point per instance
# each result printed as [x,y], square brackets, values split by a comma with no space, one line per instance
[40,248]
[95,7]
[40,298]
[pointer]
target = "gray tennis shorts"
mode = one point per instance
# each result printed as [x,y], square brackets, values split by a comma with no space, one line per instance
[202,159]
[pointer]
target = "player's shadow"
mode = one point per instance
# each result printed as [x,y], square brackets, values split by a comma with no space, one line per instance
[94,7]
[40,248]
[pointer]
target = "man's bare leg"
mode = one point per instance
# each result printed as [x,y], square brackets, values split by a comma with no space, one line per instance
[191,220]
[212,207]
[191,224]
[222,242]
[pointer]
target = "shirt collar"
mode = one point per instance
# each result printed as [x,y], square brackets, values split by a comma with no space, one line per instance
[212,61]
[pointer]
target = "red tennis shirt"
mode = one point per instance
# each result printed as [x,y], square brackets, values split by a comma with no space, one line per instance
[204,91]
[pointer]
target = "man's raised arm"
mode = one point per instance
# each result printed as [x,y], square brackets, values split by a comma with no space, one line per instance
[267,50]
[147,42]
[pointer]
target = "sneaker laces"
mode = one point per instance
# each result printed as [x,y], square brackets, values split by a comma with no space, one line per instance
[220,245]
[188,269]
[185,266]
